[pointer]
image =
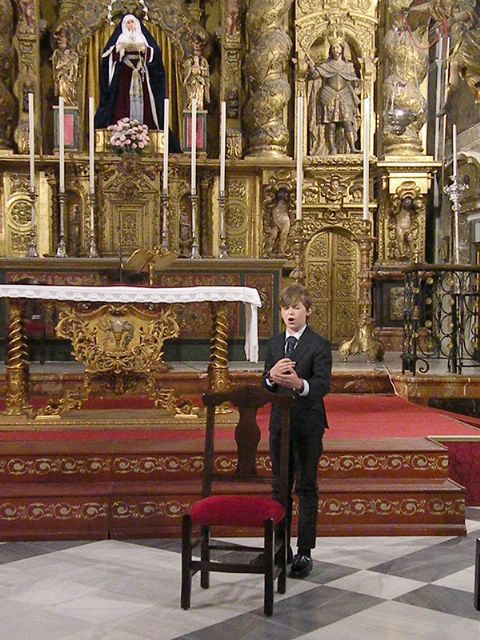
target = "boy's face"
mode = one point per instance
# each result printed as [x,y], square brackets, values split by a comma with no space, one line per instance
[295,316]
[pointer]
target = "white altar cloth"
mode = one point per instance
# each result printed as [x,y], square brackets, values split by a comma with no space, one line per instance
[171,295]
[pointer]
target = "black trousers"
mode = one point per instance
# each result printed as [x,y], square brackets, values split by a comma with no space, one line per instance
[305,452]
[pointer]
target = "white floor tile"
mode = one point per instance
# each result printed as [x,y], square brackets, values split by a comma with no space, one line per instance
[375,584]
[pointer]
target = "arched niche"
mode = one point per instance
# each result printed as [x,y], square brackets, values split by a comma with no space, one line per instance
[84,30]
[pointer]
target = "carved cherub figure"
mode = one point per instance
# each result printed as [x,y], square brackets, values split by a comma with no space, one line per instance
[280,226]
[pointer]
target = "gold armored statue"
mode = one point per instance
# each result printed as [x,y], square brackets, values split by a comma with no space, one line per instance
[335,103]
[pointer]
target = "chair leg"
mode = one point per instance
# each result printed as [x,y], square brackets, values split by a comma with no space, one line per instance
[476,597]
[282,576]
[269,566]
[205,557]
[186,562]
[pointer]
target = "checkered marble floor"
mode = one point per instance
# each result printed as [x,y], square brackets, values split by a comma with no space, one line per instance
[389,588]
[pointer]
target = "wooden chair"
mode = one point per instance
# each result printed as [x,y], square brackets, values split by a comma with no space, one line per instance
[225,505]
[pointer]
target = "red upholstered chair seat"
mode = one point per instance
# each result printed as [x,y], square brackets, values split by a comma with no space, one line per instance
[236,511]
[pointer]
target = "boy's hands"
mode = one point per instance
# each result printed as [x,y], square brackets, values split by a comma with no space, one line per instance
[283,373]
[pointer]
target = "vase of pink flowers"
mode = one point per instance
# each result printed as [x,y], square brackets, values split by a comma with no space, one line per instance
[128,136]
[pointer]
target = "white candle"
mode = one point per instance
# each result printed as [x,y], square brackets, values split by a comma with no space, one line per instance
[298,211]
[166,126]
[194,147]
[61,143]
[91,145]
[31,139]
[454,151]
[366,157]
[223,144]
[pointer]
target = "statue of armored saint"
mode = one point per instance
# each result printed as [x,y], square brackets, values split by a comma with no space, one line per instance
[335,103]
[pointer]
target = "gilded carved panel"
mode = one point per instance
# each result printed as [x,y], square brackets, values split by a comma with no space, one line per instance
[130,206]
[331,277]
[18,215]
[239,217]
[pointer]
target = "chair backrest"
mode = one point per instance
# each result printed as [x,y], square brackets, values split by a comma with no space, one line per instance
[247,400]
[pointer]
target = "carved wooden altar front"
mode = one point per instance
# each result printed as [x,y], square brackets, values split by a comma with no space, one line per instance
[121,343]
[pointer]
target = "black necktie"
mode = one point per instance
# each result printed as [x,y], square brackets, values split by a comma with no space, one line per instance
[290,345]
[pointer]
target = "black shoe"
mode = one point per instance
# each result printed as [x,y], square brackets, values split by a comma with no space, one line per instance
[301,566]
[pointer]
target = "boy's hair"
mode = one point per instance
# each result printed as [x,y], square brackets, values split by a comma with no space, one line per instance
[293,294]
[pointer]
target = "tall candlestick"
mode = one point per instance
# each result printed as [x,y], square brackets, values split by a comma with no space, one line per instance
[91,145]
[194,147]
[166,126]
[298,210]
[223,144]
[222,249]
[454,152]
[31,139]
[366,157]
[61,143]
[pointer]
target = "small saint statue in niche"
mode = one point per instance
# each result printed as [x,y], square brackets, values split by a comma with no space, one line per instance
[132,78]
[196,80]
[232,14]
[280,223]
[65,69]
[28,12]
[334,103]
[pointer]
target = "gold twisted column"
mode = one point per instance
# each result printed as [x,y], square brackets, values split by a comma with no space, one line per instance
[17,373]
[364,339]
[218,373]
[266,65]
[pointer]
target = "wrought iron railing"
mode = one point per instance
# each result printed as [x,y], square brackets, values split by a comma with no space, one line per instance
[441,317]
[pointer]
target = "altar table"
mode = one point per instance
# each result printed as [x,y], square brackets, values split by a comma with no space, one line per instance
[17,378]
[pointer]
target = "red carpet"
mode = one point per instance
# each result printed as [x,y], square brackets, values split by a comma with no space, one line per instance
[370,416]
[350,417]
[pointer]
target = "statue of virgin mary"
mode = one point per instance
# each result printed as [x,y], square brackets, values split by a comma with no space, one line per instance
[132,78]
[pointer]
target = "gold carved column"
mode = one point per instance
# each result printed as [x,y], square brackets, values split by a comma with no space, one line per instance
[231,89]
[17,373]
[7,104]
[265,69]
[26,45]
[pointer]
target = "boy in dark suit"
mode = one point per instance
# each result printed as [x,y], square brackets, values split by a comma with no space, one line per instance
[298,362]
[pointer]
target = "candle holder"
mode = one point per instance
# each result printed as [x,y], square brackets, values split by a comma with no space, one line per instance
[298,249]
[455,192]
[61,248]
[223,249]
[165,204]
[194,251]
[32,247]
[92,249]
[364,339]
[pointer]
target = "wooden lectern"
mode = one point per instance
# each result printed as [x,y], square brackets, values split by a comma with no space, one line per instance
[151,260]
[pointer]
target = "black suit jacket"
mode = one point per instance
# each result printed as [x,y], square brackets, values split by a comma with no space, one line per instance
[313,357]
